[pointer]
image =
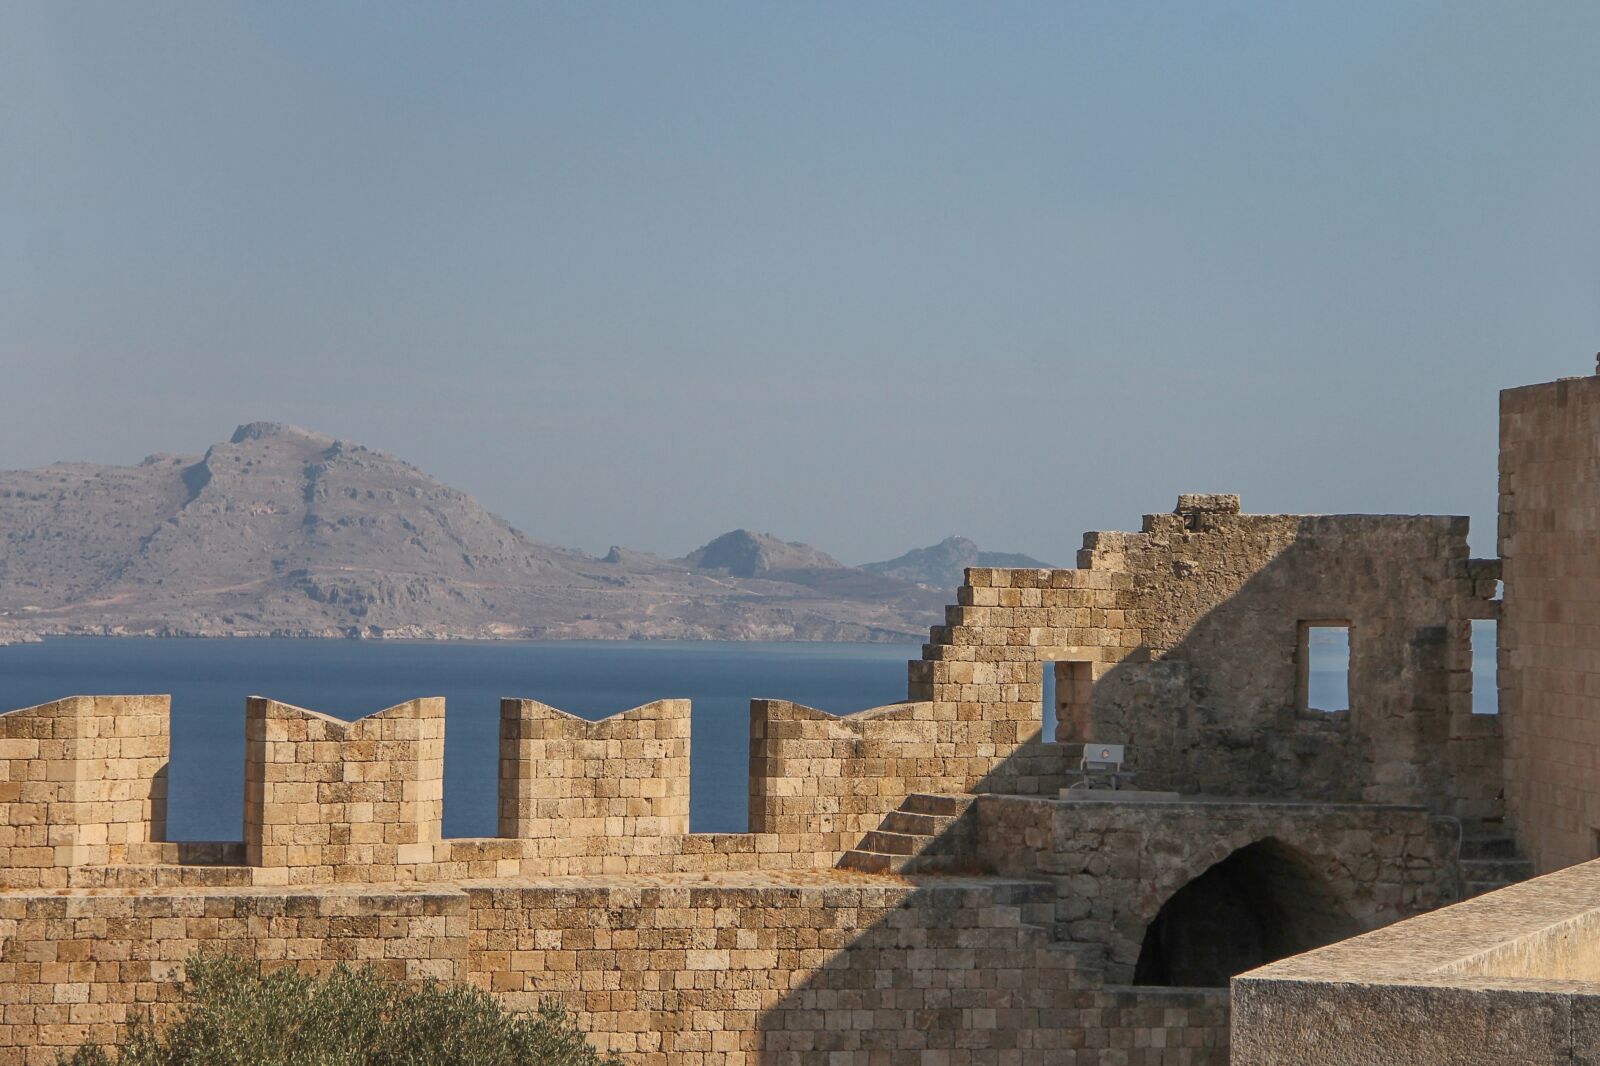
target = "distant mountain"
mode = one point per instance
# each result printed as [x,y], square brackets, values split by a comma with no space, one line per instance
[746,554]
[280,531]
[940,565]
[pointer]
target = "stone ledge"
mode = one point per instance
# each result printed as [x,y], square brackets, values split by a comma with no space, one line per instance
[1513,975]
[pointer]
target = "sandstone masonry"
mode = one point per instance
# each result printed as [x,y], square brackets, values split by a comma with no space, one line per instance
[915,888]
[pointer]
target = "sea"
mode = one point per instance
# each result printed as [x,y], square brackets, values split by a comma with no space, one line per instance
[210,679]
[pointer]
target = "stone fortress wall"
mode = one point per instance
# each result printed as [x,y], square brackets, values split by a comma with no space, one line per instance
[912,884]
[1513,976]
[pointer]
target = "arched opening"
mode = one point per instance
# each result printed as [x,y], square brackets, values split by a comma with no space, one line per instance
[1260,904]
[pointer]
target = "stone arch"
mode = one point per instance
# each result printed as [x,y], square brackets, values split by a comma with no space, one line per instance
[1263,902]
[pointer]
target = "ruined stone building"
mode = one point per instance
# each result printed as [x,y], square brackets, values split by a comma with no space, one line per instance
[916,886]
[1514,976]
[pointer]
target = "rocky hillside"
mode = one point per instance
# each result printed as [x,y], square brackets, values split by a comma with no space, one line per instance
[940,566]
[280,531]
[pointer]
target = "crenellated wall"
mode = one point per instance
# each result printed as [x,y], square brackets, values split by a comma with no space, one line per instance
[563,777]
[1182,641]
[82,780]
[329,800]
[820,780]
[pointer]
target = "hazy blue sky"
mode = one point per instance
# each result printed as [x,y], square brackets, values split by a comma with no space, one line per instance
[861,275]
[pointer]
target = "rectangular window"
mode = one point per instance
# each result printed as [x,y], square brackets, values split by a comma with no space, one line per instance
[1324,666]
[1485,666]
[1068,697]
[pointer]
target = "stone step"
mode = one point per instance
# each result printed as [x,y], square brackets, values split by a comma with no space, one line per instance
[927,825]
[872,862]
[1506,871]
[929,803]
[882,862]
[1489,846]
[892,843]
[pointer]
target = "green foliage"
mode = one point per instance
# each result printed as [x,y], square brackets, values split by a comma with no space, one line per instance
[235,1015]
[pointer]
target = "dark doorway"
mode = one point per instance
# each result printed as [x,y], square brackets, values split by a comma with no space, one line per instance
[1260,904]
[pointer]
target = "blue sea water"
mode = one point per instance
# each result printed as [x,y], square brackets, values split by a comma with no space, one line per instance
[209,680]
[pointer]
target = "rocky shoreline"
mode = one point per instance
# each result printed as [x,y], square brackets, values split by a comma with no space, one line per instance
[825,633]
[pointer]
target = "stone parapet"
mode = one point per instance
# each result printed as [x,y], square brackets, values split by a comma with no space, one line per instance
[819,781]
[1510,977]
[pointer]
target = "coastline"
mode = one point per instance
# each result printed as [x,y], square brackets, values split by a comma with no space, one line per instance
[840,634]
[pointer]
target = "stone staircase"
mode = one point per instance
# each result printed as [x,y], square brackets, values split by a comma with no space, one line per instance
[926,834]
[1490,860]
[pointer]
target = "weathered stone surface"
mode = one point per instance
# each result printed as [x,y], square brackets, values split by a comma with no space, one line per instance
[1512,976]
[1507,977]
[1182,641]
[1550,657]
[1119,863]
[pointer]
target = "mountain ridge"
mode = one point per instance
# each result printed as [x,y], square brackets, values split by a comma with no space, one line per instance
[283,531]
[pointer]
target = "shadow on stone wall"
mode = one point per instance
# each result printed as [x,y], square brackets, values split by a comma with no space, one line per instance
[1263,903]
[1209,701]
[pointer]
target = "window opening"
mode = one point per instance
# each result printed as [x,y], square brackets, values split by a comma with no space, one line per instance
[1485,647]
[1068,698]
[1324,662]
